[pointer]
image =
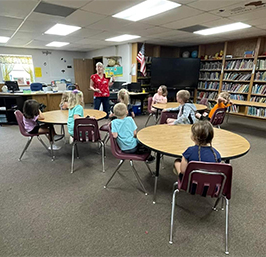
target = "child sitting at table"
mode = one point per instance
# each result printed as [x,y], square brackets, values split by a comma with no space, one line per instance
[123,97]
[64,100]
[124,129]
[160,97]
[31,117]
[223,101]
[202,135]
[186,110]
[75,110]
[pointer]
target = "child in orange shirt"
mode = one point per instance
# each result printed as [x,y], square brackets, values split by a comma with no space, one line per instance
[223,101]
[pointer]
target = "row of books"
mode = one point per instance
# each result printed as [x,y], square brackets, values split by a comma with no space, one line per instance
[260,76]
[236,76]
[261,64]
[238,97]
[239,64]
[259,112]
[233,87]
[258,99]
[208,85]
[209,95]
[234,108]
[209,75]
[259,89]
[211,65]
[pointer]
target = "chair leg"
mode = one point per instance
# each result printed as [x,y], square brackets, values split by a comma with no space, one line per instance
[226,225]
[174,186]
[148,119]
[43,144]
[103,154]
[77,150]
[117,168]
[149,168]
[138,178]
[106,138]
[172,217]
[216,204]
[73,157]
[25,148]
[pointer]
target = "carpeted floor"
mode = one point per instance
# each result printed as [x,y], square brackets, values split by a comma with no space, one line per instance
[46,211]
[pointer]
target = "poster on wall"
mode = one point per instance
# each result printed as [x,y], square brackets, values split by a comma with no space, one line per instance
[113,71]
[38,72]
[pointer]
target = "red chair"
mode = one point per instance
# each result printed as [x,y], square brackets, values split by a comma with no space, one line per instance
[151,112]
[105,128]
[217,118]
[212,179]
[86,130]
[204,101]
[117,153]
[165,115]
[19,117]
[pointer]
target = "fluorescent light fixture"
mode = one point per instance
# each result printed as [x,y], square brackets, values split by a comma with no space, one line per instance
[221,29]
[146,9]
[62,30]
[57,44]
[4,39]
[122,38]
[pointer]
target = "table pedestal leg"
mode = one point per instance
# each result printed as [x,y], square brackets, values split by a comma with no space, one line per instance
[51,141]
[158,157]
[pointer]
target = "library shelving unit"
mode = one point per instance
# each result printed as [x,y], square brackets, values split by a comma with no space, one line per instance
[145,81]
[243,76]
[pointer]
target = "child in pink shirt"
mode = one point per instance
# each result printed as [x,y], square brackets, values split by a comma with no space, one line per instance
[160,97]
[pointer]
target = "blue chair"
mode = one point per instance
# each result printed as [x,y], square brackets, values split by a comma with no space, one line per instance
[36,86]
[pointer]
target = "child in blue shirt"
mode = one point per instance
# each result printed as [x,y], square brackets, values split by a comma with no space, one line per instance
[202,135]
[124,129]
[75,109]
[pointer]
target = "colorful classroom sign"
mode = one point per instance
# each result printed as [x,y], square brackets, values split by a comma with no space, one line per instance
[113,71]
[38,72]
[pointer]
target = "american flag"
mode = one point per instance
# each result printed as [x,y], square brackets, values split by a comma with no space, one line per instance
[141,60]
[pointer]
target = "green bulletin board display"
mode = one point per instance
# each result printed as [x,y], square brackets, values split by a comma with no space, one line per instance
[113,71]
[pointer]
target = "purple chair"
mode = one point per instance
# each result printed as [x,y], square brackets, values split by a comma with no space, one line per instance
[151,113]
[166,115]
[19,117]
[105,128]
[217,118]
[204,101]
[206,179]
[86,130]
[117,153]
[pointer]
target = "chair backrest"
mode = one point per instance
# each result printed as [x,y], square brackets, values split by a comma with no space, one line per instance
[36,86]
[166,115]
[218,116]
[86,129]
[206,178]
[19,117]
[149,104]
[115,149]
[204,101]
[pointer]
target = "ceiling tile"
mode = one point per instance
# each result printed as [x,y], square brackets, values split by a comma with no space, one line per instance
[257,13]
[82,33]
[105,34]
[179,13]
[109,23]
[39,26]
[9,23]
[68,3]
[45,17]
[255,22]
[83,18]
[108,7]
[17,9]
[217,23]
[6,33]
[195,20]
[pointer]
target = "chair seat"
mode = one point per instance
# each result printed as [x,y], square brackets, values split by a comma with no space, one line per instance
[132,156]
[105,127]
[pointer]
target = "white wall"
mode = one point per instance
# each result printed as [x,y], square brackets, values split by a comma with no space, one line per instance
[121,50]
[54,65]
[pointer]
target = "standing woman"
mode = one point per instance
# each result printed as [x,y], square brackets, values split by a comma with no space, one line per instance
[100,85]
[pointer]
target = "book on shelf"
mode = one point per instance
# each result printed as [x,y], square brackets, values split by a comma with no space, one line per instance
[239,64]
[260,76]
[259,112]
[210,65]
[210,75]
[237,88]
[261,64]
[234,108]
[259,89]
[237,97]
[236,76]
[208,85]
[258,99]
[209,95]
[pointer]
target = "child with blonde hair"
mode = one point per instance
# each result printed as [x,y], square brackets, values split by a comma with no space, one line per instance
[223,101]
[124,129]
[202,135]
[75,111]
[123,97]
[64,101]
[160,97]
[186,110]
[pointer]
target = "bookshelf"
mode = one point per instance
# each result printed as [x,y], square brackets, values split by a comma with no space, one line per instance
[145,81]
[244,77]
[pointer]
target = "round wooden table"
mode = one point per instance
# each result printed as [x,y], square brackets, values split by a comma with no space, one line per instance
[60,117]
[174,140]
[199,107]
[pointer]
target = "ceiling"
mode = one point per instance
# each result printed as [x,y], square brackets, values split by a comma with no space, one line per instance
[18,18]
